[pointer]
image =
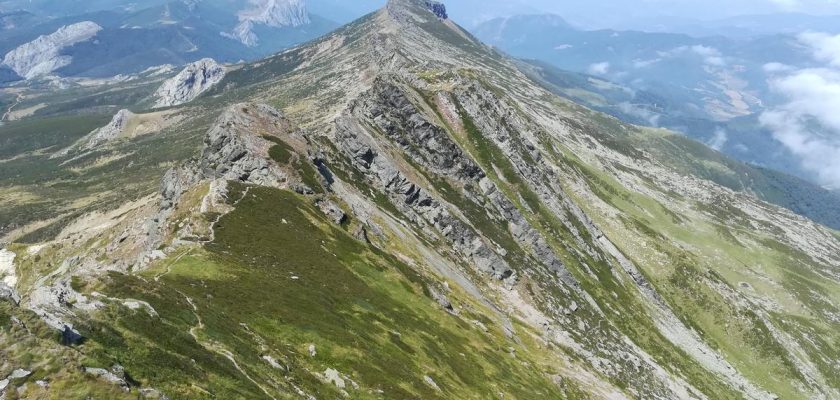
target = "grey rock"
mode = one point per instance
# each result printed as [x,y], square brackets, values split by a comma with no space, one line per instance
[273,13]
[7,293]
[431,382]
[115,376]
[390,110]
[234,151]
[113,129]
[43,55]
[151,393]
[19,373]
[332,210]
[335,377]
[195,79]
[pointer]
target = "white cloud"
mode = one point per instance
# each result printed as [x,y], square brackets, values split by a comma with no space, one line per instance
[601,68]
[825,47]
[710,55]
[808,124]
[638,64]
[775,67]
[720,138]
[649,116]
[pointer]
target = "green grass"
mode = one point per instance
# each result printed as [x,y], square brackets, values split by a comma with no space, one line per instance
[368,313]
[19,137]
[684,279]
[631,318]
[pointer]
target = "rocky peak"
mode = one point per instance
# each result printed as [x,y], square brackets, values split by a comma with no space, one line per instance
[113,129]
[43,55]
[274,13]
[192,81]
[417,8]
[437,8]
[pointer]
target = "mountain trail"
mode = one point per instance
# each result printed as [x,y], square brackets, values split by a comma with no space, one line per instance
[8,113]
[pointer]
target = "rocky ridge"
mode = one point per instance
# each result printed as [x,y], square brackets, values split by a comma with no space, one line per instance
[195,79]
[515,213]
[42,56]
[273,13]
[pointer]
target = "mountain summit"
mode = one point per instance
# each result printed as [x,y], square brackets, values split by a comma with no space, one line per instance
[395,210]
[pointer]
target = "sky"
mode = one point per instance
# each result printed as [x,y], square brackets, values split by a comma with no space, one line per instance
[617,13]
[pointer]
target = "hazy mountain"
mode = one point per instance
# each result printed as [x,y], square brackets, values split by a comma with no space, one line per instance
[742,26]
[395,210]
[177,32]
[711,88]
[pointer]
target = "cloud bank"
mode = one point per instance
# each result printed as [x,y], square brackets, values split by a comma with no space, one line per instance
[808,124]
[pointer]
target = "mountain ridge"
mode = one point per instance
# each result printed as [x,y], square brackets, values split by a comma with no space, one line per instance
[457,231]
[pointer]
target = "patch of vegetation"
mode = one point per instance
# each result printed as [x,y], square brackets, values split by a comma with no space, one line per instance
[280,152]
[278,277]
[20,137]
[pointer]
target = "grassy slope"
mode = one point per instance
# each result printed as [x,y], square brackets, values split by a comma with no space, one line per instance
[687,278]
[277,278]
[32,345]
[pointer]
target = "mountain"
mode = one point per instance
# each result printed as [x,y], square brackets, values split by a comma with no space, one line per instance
[180,31]
[713,89]
[744,26]
[394,210]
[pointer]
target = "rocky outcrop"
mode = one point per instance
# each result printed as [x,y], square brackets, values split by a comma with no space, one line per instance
[114,128]
[116,375]
[332,211]
[43,55]
[8,275]
[7,293]
[430,146]
[191,82]
[437,8]
[387,106]
[236,150]
[273,13]
[373,162]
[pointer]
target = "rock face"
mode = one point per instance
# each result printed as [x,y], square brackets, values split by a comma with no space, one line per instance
[387,107]
[110,131]
[7,268]
[235,151]
[43,55]
[437,8]
[194,80]
[273,13]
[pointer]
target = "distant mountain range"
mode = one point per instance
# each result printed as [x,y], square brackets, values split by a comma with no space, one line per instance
[711,88]
[130,39]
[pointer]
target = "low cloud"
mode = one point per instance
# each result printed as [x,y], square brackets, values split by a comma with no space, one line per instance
[719,139]
[601,68]
[775,68]
[710,55]
[650,117]
[808,123]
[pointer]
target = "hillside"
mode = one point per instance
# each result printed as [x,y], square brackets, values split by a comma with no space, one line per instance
[394,210]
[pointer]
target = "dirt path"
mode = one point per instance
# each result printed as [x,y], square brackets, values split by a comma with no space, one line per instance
[218,348]
[170,264]
[8,113]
